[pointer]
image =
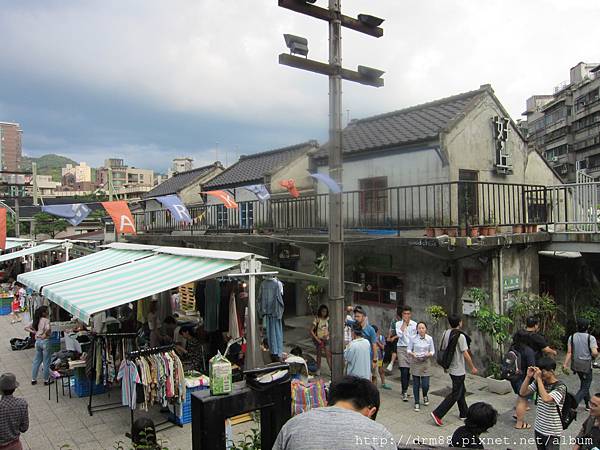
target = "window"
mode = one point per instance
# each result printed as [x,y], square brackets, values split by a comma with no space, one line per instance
[381,288]
[246,214]
[373,196]
[222,217]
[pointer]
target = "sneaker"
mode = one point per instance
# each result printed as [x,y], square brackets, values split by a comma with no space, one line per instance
[386,386]
[390,367]
[33,382]
[437,420]
[417,408]
[46,383]
[404,397]
[426,400]
[462,418]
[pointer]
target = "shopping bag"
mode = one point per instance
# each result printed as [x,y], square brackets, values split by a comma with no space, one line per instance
[307,396]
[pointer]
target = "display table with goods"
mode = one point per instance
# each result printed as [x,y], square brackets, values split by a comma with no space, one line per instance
[6,300]
[194,382]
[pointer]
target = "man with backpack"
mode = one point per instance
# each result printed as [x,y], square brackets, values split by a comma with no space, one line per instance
[453,354]
[528,345]
[554,405]
[582,349]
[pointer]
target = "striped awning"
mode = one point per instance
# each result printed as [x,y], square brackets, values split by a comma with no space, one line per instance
[14,243]
[74,268]
[43,247]
[139,279]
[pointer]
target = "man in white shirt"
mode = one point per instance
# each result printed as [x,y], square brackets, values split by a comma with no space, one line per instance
[406,330]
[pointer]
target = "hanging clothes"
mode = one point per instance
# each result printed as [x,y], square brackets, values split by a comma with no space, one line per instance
[234,327]
[212,296]
[270,307]
[130,376]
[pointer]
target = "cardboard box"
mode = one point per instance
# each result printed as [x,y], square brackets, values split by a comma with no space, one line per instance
[220,374]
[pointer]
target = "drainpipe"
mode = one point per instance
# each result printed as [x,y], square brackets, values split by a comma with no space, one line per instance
[500,282]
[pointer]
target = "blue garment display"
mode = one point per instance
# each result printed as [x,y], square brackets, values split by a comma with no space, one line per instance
[270,308]
[274,335]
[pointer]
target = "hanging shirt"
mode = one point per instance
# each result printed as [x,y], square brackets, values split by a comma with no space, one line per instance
[270,300]
[129,374]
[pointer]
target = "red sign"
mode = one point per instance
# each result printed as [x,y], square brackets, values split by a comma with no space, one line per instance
[121,216]
[3,228]
[290,185]
[225,197]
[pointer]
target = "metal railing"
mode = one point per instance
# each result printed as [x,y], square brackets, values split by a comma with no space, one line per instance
[460,205]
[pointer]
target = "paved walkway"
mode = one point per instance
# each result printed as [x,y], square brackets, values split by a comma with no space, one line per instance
[68,423]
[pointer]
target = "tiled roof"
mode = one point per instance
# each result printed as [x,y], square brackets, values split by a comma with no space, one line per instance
[253,168]
[406,126]
[179,181]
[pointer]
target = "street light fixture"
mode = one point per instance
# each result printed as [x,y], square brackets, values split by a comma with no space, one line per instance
[297,45]
[369,20]
[370,73]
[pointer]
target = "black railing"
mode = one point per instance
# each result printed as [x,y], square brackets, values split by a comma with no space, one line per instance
[460,204]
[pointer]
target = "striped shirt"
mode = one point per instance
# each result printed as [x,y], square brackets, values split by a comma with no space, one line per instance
[547,418]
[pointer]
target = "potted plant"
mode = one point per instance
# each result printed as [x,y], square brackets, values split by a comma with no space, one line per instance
[474,232]
[497,327]
[436,313]
[429,230]
[517,229]
[452,232]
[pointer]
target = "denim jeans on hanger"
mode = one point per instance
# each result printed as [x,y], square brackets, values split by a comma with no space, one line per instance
[274,335]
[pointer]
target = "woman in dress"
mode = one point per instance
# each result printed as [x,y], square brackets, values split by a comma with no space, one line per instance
[420,352]
[319,331]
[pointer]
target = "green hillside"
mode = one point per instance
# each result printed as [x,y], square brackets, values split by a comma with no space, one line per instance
[47,165]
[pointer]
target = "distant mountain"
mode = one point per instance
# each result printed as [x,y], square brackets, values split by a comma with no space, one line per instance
[47,165]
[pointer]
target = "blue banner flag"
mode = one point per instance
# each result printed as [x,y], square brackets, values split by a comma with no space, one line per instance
[178,210]
[260,190]
[328,181]
[74,213]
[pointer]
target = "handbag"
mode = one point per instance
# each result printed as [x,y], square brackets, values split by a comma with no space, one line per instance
[306,396]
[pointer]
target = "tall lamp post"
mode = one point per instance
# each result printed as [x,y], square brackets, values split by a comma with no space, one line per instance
[365,75]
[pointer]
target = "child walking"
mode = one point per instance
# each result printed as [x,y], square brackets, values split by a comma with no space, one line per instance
[319,332]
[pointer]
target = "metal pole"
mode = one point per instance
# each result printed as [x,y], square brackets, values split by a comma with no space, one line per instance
[336,229]
[252,347]
[17,218]
[35,183]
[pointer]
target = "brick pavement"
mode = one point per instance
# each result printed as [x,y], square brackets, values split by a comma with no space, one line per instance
[68,423]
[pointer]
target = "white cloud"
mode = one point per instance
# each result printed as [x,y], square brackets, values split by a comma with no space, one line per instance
[219,57]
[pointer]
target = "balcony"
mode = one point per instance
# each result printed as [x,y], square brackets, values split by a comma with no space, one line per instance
[455,206]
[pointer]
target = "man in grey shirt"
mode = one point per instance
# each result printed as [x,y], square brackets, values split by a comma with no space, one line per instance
[582,349]
[348,424]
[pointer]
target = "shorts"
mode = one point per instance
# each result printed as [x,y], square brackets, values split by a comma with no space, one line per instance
[516,386]
[389,350]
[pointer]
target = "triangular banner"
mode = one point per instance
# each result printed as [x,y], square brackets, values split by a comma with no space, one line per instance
[121,216]
[178,209]
[225,197]
[74,213]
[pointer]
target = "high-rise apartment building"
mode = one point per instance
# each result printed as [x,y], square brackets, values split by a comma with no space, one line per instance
[179,165]
[82,173]
[10,146]
[123,175]
[565,126]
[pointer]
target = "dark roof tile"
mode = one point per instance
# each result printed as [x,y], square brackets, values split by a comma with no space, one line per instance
[180,181]
[253,168]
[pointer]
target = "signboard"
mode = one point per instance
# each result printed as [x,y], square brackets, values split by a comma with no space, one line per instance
[501,127]
[511,283]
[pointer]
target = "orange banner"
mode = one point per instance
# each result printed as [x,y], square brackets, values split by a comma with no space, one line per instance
[121,216]
[3,228]
[225,197]
[290,185]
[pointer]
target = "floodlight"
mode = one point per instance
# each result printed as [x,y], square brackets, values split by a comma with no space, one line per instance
[369,72]
[370,21]
[297,45]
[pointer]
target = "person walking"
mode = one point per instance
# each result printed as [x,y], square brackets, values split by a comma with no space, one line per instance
[454,340]
[319,332]
[41,327]
[14,414]
[589,435]
[358,355]
[368,332]
[406,329]
[420,352]
[391,344]
[582,349]
[551,393]
[380,355]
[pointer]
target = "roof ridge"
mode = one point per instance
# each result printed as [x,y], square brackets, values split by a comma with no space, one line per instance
[278,150]
[462,95]
[195,169]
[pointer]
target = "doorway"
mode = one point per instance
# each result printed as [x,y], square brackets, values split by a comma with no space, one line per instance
[468,211]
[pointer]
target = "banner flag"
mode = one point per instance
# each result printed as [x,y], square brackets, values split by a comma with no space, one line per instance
[225,197]
[121,216]
[327,181]
[178,210]
[74,213]
[260,190]
[290,185]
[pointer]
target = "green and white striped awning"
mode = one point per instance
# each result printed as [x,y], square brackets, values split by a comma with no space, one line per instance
[74,268]
[139,279]
[14,243]
[43,247]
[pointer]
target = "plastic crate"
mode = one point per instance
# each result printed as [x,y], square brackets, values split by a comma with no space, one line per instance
[81,387]
[5,310]
[184,411]
[6,301]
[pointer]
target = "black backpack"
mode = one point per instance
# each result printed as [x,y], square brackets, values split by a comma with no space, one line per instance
[511,368]
[569,410]
[444,355]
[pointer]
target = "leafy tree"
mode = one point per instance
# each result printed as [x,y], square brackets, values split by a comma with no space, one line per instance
[48,224]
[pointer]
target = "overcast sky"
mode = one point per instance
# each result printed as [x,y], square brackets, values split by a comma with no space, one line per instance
[148,80]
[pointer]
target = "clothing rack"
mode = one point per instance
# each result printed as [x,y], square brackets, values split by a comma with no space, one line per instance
[104,406]
[144,352]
